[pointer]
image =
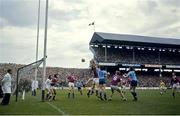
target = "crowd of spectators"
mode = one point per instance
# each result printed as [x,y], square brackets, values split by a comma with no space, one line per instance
[140,56]
[152,81]
[29,76]
[82,74]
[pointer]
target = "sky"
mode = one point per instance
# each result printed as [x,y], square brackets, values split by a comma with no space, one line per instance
[68,31]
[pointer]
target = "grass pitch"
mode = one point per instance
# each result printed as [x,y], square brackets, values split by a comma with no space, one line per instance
[149,102]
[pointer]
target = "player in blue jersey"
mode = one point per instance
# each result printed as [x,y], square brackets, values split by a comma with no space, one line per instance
[79,85]
[102,83]
[133,82]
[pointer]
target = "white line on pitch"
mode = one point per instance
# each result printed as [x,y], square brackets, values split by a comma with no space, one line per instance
[58,109]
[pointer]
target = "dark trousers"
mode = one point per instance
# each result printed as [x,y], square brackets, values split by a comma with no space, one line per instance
[34,93]
[1,92]
[6,99]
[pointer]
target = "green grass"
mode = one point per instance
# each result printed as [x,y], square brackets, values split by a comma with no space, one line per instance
[150,102]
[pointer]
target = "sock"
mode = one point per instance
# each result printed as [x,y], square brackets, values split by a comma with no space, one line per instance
[81,92]
[54,97]
[173,95]
[92,92]
[50,97]
[105,96]
[73,95]
[96,92]
[134,94]
[68,95]
[47,95]
[100,93]
[88,94]
[34,92]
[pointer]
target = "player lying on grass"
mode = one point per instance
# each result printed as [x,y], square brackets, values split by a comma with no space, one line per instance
[115,83]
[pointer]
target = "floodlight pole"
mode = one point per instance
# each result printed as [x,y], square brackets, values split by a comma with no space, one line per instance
[37,43]
[45,49]
[105,53]
[133,54]
[94,26]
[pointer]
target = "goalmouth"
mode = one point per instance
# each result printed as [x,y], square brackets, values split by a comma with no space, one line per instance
[24,72]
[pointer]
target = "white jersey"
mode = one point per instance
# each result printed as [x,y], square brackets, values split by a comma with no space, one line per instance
[6,83]
[48,84]
[34,85]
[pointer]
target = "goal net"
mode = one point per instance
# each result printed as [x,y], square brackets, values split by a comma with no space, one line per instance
[25,77]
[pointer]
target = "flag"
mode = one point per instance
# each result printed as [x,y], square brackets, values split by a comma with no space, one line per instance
[91,23]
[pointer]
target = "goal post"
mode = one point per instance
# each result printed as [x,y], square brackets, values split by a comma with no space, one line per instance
[23,71]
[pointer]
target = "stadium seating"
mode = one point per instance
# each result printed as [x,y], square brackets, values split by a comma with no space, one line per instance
[145,56]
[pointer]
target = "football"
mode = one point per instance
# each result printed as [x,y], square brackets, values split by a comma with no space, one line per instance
[82,60]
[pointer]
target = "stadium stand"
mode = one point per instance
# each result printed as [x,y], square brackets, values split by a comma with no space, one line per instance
[135,49]
[153,58]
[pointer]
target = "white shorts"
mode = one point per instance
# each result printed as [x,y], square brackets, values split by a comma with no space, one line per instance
[114,87]
[162,88]
[48,88]
[71,84]
[176,85]
[96,81]
[52,87]
[123,87]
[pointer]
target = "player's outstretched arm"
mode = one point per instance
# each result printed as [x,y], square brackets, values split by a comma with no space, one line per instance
[89,81]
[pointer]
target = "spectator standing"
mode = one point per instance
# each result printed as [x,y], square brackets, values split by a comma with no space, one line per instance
[6,85]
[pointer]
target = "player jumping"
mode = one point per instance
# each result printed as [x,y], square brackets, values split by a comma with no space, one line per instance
[53,88]
[48,87]
[94,80]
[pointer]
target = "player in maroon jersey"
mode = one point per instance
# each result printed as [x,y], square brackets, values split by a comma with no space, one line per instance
[123,84]
[175,84]
[54,82]
[115,83]
[94,80]
[71,80]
